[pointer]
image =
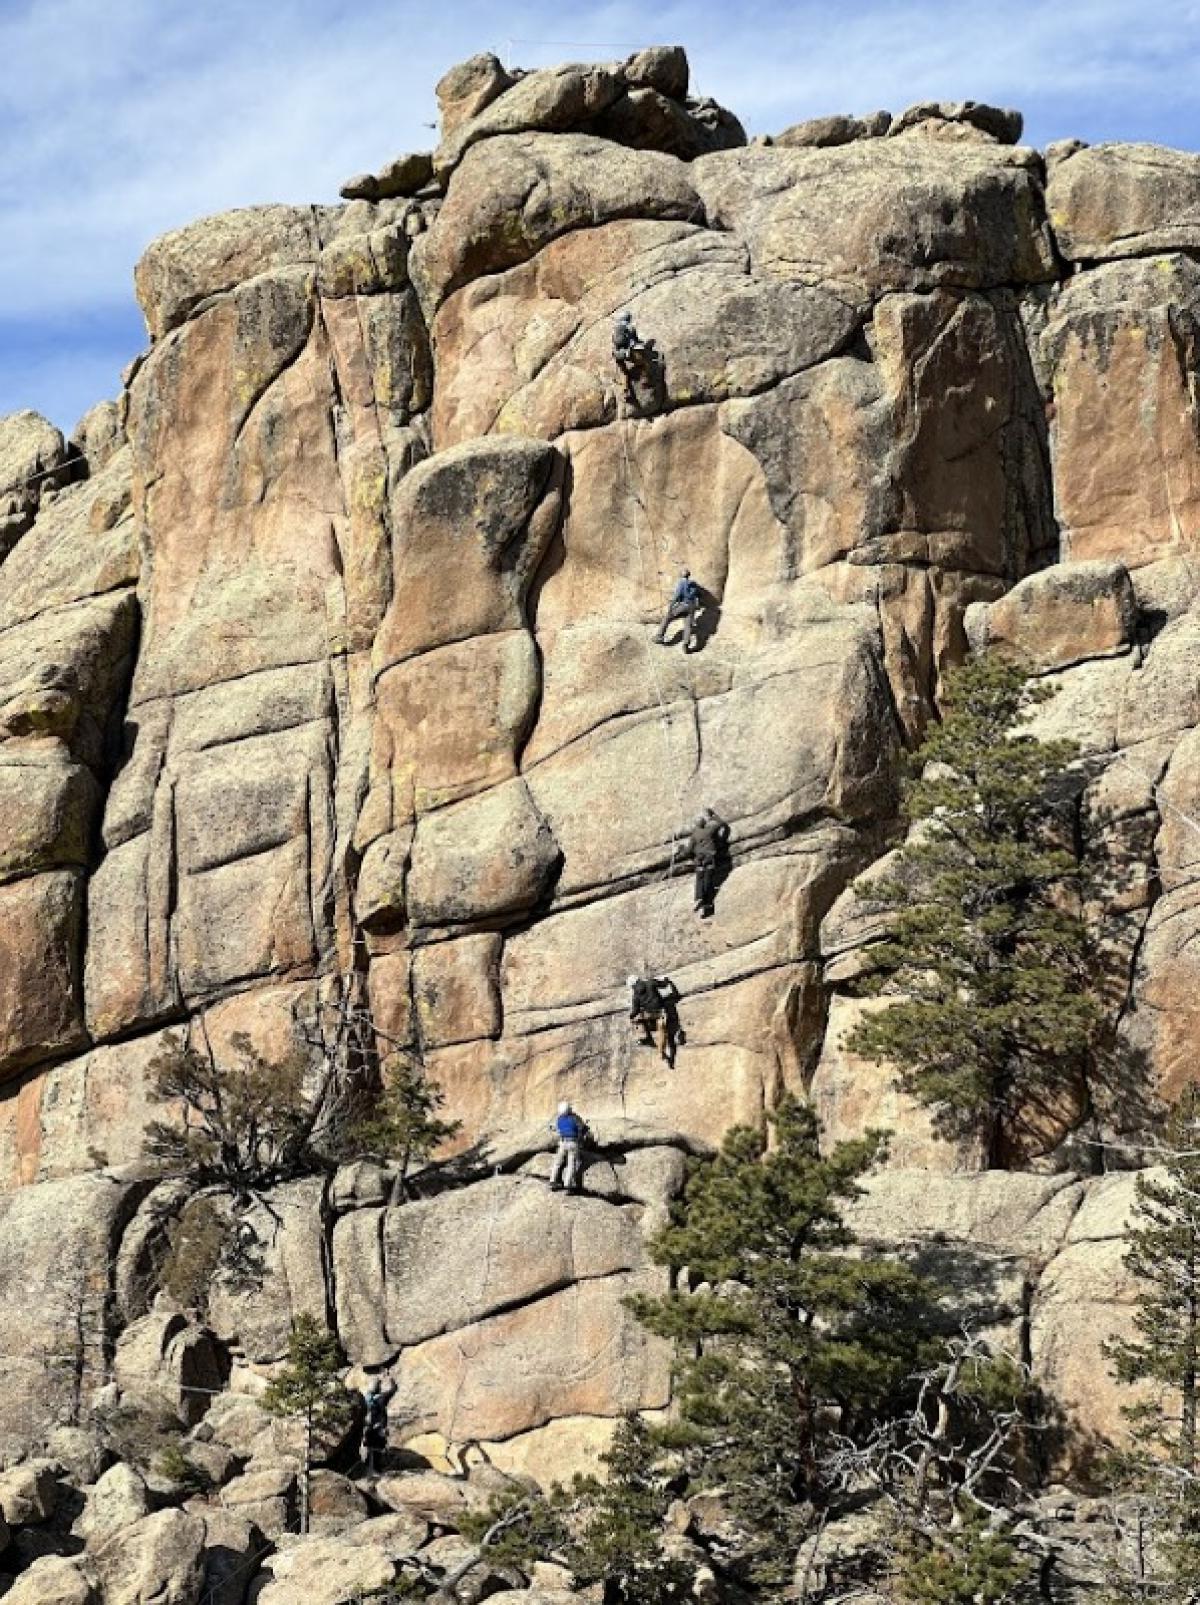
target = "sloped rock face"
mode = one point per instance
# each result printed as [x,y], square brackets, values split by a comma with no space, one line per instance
[327,663]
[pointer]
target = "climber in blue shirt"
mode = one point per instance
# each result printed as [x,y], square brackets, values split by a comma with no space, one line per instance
[571,1132]
[684,604]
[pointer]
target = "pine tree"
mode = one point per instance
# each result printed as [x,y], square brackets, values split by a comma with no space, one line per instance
[790,1337]
[309,1388]
[608,1531]
[1163,1253]
[998,1004]
[970,1564]
[243,1124]
[406,1124]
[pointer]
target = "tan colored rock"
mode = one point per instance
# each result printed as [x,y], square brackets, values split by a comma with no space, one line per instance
[837,129]
[40,953]
[473,525]
[83,544]
[456,986]
[851,217]
[1006,1212]
[52,1580]
[530,351]
[493,856]
[577,1351]
[469,87]
[29,1493]
[852,1096]
[119,1498]
[453,1261]
[1058,616]
[289,1238]
[429,1494]
[212,256]
[514,194]
[159,1560]
[557,1452]
[399,1535]
[325,1571]
[968,117]
[550,100]
[34,460]
[161,1357]
[1109,201]
[1117,350]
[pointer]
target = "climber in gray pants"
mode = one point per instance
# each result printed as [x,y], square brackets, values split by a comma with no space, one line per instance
[684,604]
[571,1132]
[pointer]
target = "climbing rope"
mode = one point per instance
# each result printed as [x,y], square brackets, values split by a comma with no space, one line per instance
[673,763]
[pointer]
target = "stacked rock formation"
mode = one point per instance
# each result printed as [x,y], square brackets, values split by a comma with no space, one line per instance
[326,660]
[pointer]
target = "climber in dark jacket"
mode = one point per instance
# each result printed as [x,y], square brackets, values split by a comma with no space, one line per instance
[708,844]
[376,1398]
[572,1133]
[636,359]
[653,1013]
[684,604]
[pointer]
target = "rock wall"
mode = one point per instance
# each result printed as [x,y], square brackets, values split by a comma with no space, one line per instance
[327,660]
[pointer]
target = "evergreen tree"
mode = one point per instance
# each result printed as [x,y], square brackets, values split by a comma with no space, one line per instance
[968,1564]
[789,1338]
[1163,1253]
[243,1125]
[609,1532]
[309,1389]
[406,1124]
[998,1002]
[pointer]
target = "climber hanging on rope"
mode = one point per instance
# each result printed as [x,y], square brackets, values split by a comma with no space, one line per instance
[684,604]
[708,845]
[639,364]
[572,1133]
[376,1398]
[653,1014]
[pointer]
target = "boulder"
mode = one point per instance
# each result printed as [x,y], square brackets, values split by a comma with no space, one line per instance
[162,1357]
[158,1560]
[850,217]
[514,193]
[551,100]
[29,1493]
[1109,201]
[52,1580]
[399,1535]
[403,175]
[997,123]
[661,67]
[821,132]
[577,1351]
[119,1498]
[468,89]
[324,1571]
[1059,616]
[34,460]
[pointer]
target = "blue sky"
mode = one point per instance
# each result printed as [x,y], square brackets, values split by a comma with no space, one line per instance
[123,118]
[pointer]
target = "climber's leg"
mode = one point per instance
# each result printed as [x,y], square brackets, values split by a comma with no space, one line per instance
[693,607]
[561,1163]
[572,1166]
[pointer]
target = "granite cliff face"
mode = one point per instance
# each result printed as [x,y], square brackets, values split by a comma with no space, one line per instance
[326,664]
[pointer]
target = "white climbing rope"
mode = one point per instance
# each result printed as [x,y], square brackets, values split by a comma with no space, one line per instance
[673,764]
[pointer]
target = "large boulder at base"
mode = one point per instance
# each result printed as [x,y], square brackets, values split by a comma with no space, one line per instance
[52,1580]
[159,1560]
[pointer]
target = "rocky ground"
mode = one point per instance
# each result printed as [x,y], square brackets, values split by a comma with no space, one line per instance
[326,661]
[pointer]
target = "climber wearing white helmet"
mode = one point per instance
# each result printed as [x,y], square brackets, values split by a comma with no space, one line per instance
[571,1132]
